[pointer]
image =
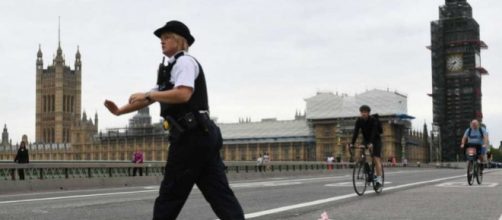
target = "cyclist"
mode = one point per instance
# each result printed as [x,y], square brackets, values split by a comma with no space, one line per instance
[371,131]
[477,137]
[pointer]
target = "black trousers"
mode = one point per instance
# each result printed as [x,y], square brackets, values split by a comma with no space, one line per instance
[136,169]
[194,159]
[20,172]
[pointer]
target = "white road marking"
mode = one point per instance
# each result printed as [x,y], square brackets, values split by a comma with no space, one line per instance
[151,187]
[75,197]
[465,185]
[500,217]
[265,184]
[337,198]
[282,182]
[346,184]
[156,188]
[39,211]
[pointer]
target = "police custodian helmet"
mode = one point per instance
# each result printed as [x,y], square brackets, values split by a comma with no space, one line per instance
[176,27]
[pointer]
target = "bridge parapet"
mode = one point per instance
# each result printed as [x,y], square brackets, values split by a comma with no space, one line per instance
[92,169]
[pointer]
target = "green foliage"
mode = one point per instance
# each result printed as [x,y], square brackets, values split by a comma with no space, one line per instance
[497,154]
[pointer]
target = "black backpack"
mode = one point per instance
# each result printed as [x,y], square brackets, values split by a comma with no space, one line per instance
[480,131]
[379,124]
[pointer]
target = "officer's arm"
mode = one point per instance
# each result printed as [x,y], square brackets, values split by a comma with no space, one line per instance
[130,107]
[177,95]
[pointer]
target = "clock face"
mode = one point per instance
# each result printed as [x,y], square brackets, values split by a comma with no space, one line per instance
[454,63]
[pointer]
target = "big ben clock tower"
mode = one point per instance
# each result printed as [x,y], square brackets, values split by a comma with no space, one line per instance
[456,74]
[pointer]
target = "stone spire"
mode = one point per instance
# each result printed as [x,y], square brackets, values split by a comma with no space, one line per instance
[59,54]
[78,62]
[40,61]
[5,136]
[96,119]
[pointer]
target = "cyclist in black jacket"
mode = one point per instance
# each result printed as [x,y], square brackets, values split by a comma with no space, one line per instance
[371,138]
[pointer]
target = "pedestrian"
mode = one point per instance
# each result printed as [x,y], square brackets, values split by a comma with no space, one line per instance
[329,161]
[137,160]
[195,140]
[266,161]
[259,163]
[22,157]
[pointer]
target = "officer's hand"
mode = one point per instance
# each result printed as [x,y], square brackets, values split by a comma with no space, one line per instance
[112,107]
[462,146]
[137,97]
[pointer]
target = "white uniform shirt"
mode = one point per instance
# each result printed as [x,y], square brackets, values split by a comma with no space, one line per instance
[184,71]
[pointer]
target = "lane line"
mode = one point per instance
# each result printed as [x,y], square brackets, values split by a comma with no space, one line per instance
[305,180]
[75,191]
[75,197]
[236,184]
[500,217]
[337,198]
[152,189]
[155,190]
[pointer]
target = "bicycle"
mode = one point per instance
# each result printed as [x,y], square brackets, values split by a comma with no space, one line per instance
[363,173]
[473,166]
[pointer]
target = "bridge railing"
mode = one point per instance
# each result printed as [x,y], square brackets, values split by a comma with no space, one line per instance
[94,169]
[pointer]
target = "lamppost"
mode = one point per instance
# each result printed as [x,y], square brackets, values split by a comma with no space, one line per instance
[339,133]
[404,138]
[403,144]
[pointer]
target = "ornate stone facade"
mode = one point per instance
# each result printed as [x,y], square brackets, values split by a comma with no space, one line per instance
[58,102]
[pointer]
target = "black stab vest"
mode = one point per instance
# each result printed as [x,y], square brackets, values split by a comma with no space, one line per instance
[198,100]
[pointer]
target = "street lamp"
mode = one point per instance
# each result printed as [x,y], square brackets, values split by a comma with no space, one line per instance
[339,133]
[403,144]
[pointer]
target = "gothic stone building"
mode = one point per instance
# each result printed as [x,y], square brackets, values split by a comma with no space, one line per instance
[58,101]
[325,130]
[456,74]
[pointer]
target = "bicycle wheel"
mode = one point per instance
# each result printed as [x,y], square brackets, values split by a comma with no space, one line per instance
[359,178]
[378,190]
[470,172]
[479,173]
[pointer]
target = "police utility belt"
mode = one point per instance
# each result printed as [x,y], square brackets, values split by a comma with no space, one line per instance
[187,122]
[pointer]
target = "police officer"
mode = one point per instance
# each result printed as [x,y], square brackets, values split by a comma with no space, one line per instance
[195,140]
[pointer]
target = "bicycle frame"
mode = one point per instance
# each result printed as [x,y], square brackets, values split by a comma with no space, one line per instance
[363,173]
[473,167]
[362,157]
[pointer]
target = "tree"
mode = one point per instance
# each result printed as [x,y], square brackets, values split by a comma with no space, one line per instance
[497,154]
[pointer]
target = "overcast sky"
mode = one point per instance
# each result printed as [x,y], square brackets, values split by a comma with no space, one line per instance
[261,58]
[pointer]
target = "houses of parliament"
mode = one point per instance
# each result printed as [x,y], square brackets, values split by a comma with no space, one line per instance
[63,133]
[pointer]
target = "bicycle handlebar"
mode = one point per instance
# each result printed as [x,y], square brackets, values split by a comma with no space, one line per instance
[361,146]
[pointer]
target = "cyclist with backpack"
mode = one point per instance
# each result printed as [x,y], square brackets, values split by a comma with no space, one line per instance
[371,130]
[476,136]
